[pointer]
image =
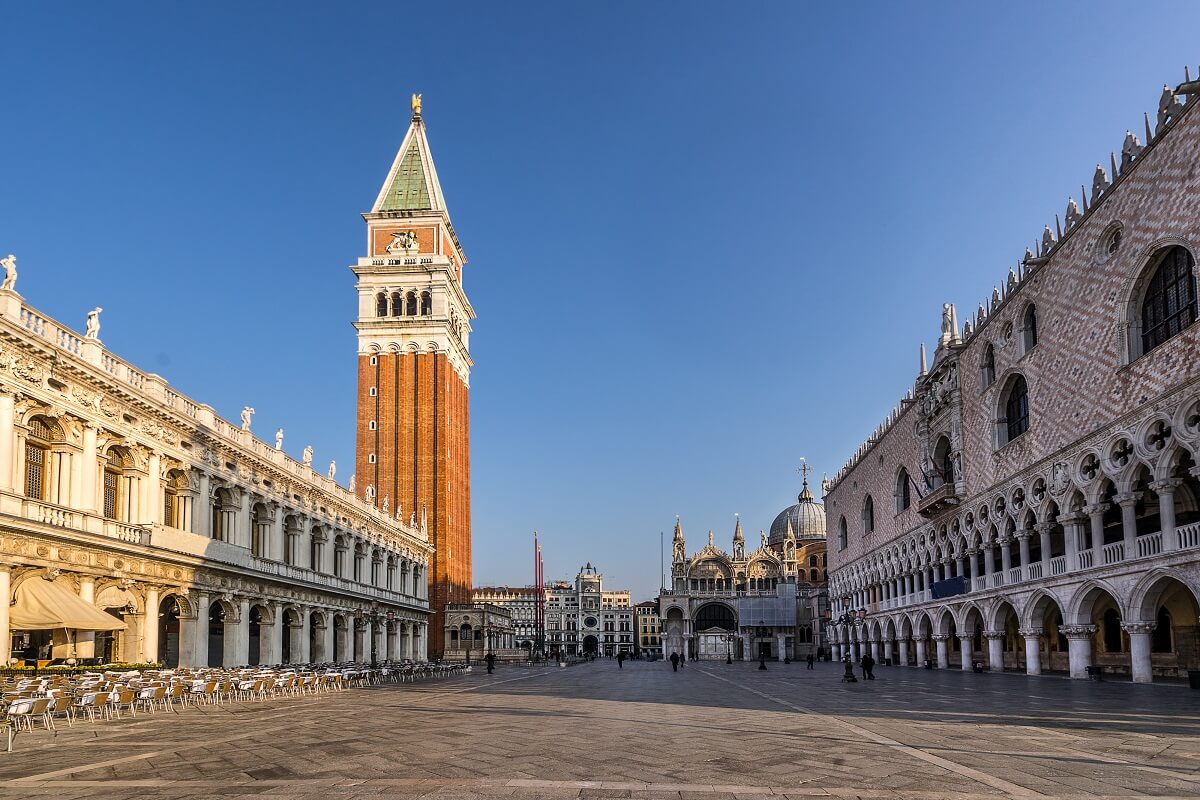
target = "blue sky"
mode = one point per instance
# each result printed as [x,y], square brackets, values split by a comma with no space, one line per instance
[702,244]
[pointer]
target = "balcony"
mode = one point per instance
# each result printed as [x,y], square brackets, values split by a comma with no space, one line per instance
[1147,546]
[940,499]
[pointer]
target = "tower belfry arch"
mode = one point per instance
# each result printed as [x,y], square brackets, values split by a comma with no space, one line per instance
[414,364]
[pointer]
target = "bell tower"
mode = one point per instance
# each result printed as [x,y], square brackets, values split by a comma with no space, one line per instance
[414,324]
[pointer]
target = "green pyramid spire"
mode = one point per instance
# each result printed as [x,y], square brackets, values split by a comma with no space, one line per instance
[408,191]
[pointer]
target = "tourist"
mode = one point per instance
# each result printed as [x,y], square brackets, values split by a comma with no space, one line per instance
[621,660]
[674,662]
[490,658]
[868,667]
[810,660]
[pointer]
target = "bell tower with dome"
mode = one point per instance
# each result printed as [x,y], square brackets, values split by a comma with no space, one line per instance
[413,456]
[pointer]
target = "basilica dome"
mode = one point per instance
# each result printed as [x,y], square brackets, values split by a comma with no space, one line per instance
[807,518]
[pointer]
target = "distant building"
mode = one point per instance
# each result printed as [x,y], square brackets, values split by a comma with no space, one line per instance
[473,630]
[521,602]
[767,603]
[649,641]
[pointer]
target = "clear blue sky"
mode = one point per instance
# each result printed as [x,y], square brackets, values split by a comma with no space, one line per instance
[703,244]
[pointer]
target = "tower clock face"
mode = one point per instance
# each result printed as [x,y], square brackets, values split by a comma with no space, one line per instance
[589,622]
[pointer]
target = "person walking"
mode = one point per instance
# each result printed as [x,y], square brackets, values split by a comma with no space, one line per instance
[674,662]
[683,659]
[490,658]
[810,660]
[868,667]
[621,660]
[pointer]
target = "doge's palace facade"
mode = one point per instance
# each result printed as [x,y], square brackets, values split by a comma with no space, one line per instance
[155,531]
[1033,503]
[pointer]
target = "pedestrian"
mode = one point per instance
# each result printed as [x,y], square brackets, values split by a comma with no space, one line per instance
[810,660]
[674,662]
[868,667]
[621,660]
[490,658]
[683,659]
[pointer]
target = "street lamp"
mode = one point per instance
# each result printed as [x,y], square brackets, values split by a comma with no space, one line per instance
[763,633]
[729,648]
[373,616]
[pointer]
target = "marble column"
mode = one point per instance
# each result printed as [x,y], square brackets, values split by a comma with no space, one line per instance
[1139,650]
[150,627]
[187,632]
[200,646]
[942,642]
[270,637]
[1096,521]
[1023,550]
[1166,513]
[1079,643]
[1005,555]
[995,645]
[875,654]
[85,641]
[1033,650]
[302,651]
[1043,529]
[5,604]
[920,644]
[237,636]
[904,652]
[965,652]
[1128,503]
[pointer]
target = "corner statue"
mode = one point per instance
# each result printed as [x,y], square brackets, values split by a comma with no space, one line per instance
[92,331]
[9,263]
[416,105]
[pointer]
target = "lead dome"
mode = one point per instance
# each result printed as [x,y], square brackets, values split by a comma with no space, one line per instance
[807,517]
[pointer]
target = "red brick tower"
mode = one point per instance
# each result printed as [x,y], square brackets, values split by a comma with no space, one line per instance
[414,320]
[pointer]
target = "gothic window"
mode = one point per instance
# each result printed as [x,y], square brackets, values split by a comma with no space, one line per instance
[1015,407]
[868,515]
[943,463]
[1170,302]
[426,304]
[410,304]
[987,369]
[842,533]
[397,304]
[903,491]
[1029,329]
[381,304]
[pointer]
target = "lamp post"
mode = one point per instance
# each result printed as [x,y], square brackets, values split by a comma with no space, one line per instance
[373,616]
[729,648]
[763,633]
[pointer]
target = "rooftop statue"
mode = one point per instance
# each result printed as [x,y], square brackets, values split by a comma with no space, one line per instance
[279,439]
[93,323]
[9,263]
[416,105]
[247,413]
[332,469]
[306,457]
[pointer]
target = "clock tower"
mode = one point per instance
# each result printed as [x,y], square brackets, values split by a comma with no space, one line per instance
[414,325]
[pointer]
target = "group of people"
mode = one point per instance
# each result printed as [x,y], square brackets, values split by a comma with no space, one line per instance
[867,663]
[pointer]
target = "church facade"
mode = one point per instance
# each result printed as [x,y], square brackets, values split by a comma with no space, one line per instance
[1033,503]
[770,602]
[414,324]
[137,525]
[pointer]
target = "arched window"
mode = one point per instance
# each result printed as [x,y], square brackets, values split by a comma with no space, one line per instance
[1015,407]
[391,573]
[1029,329]
[842,533]
[339,556]
[116,484]
[868,515]
[426,304]
[1169,305]
[381,304]
[223,515]
[43,433]
[360,560]
[316,547]
[291,541]
[903,490]
[397,304]
[987,367]
[260,530]
[176,506]
[410,305]
[943,463]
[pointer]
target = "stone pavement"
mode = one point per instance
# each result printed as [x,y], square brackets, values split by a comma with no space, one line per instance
[709,732]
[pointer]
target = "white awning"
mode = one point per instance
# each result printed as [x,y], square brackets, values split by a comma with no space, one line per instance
[44,605]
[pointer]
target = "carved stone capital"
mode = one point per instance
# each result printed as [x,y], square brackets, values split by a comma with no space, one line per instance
[993,634]
[941,637]
[1167,485]
[1126,499]
[1077,631]
[1031,633]
[1139,627]
[1097,509]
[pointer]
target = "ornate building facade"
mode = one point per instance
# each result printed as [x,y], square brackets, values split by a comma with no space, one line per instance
[746,605]
[136,525]
[649,630]
[414,325]
[1033,503]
